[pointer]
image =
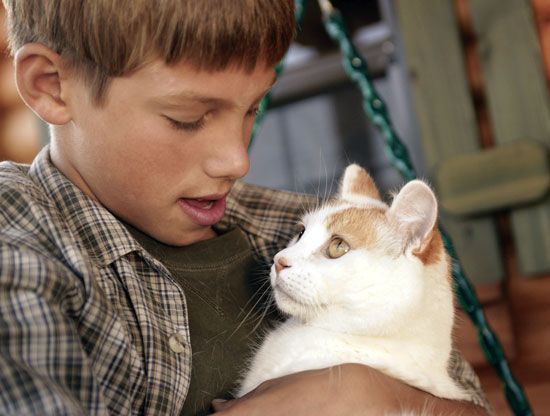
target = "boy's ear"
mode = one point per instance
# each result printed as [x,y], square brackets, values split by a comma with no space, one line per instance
[39,78]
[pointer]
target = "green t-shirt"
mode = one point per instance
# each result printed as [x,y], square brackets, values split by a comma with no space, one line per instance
[223,285]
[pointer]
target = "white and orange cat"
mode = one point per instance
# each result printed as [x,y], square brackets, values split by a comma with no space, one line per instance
[364,283]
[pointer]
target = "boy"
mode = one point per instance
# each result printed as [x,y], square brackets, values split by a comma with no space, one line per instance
[121,247]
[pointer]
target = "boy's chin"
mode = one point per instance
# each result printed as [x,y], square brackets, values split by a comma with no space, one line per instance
[174,236]
[195,236]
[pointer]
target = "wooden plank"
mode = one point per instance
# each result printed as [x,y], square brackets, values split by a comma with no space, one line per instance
[517,98]
[530,309]
[446,117]
[541,10]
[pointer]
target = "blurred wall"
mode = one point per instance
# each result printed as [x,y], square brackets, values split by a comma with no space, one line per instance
[19,128]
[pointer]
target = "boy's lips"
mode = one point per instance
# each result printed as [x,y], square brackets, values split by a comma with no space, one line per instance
[205,210]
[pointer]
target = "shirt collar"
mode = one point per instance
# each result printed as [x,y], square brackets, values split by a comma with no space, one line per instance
[102,235]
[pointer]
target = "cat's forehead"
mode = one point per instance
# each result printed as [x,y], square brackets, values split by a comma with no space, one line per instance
[361,221]
[338,208]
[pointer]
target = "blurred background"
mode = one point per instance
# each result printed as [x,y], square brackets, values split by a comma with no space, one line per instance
[466,83]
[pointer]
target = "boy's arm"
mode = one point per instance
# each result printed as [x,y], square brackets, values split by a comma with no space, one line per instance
[349,389]
[44,368]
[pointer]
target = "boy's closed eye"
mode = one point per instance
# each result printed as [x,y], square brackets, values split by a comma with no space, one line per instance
[199,123]
[187,125]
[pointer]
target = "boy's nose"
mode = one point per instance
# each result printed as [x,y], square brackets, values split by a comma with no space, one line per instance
[237,163]
[280,264]
[229,160]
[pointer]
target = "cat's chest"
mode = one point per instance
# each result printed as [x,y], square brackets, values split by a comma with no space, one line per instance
[298,345]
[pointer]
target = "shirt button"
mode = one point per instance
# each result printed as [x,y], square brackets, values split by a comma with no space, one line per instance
[177,342]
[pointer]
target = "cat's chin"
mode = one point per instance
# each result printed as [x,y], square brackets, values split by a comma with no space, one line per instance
[287,303]
[282,298]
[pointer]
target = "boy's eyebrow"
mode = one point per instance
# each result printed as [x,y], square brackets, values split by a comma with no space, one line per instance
[189,96]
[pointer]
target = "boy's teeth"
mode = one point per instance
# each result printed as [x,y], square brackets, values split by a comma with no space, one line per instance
[201,203]
[206,204]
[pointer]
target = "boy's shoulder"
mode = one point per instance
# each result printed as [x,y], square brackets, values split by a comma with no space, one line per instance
[41,211]
[14,178]
[28,252]
[23,203]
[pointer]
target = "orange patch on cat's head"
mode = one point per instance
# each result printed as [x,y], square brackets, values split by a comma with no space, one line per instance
[361,227]
[432,250]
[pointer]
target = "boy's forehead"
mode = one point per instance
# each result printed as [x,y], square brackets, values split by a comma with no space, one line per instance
[174,74]
[183,83]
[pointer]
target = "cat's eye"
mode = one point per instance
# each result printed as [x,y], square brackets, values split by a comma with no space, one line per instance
[301,232]
[337,248]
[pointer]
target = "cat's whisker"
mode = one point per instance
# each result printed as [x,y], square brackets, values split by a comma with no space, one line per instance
[259,275]
[255,298]
[251,311]
[347,158]
[318,192]
[332,183]
[323,165]
[268,304]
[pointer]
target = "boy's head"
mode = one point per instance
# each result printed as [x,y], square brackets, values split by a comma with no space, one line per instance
[101,39]
[151,103]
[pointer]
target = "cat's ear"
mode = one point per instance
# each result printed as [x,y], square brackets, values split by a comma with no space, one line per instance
[357,182]
[414,211]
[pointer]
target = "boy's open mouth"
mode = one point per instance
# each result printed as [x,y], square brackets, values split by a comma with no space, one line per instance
[200,203]
[203,211]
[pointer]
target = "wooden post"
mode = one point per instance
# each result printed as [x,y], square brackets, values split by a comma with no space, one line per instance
[517,98]
[446,117]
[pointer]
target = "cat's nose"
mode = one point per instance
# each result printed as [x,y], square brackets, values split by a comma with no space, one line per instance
[280,264]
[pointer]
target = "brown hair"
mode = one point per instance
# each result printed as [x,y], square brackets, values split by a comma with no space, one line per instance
[109,38]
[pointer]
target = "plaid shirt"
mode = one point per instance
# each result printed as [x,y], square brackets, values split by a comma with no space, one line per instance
[90,323]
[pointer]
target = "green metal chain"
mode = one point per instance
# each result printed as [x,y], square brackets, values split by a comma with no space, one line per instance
[299,8]
[356,68]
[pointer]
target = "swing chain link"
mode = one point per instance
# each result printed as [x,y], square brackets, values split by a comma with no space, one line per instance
[356,68]
[299,8]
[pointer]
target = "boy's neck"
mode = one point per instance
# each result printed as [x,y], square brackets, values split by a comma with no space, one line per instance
[62,162]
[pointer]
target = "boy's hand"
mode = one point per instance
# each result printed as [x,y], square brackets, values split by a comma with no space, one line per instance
[348,389]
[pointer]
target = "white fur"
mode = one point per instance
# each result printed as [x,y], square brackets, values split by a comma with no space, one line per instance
[370,306]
